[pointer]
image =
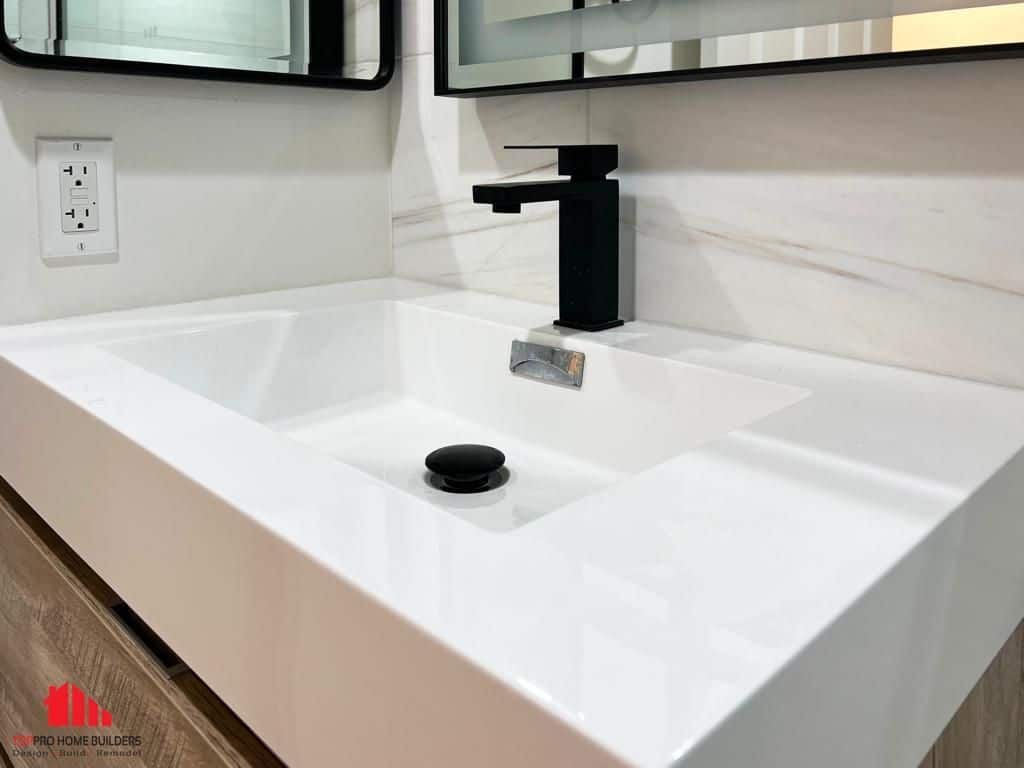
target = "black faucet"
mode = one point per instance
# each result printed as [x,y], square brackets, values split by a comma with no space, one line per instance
[588,230]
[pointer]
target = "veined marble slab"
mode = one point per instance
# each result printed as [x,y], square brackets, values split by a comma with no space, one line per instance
[445,146]
[870,214]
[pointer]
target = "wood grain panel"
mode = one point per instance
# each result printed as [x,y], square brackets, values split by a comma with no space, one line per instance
[987,730]
[55,627]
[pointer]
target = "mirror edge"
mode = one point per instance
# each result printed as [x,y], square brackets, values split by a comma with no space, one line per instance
[388,13]
[860,61]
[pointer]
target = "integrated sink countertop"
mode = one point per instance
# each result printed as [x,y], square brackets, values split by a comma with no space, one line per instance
[381,384]
[716,553]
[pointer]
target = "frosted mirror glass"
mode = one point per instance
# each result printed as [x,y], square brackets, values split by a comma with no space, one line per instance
[538,44]
[341,42]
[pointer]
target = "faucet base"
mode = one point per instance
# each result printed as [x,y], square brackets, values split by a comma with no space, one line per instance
[591,327]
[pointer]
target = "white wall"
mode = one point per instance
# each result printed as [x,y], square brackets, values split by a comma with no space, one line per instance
[873,214]
[223,188]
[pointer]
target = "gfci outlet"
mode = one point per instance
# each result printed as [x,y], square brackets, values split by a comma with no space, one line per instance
[77,200]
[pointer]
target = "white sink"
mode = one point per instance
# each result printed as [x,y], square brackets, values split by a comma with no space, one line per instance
[379,385]
[247,473]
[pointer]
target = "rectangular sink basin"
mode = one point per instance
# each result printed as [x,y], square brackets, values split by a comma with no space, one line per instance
[380,385]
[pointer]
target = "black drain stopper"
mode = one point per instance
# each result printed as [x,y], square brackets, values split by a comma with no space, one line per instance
[465,468]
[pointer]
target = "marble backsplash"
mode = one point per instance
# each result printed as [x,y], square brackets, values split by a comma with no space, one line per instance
[444,146]
[873,214]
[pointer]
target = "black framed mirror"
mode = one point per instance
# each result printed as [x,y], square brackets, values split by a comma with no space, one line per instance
[347,44]
[500,46]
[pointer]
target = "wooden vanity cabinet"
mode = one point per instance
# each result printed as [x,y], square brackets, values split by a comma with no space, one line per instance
[56,627]
[988,729]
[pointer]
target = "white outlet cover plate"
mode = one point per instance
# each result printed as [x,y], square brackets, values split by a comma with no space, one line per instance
[68,248]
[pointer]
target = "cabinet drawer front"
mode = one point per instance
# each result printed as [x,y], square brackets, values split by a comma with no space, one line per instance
[53,630]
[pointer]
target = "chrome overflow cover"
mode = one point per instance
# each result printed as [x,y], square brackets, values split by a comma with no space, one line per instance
[550,364]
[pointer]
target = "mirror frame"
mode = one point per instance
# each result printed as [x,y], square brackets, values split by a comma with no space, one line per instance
[388,30]
[860,61]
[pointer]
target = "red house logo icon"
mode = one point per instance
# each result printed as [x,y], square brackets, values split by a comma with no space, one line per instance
[69,706]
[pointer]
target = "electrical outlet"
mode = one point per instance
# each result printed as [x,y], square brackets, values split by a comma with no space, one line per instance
[79,197]
[77,201]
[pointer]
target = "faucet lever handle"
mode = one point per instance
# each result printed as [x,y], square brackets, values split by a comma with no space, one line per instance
[581,161]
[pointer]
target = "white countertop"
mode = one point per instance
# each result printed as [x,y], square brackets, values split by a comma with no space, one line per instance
[822,587]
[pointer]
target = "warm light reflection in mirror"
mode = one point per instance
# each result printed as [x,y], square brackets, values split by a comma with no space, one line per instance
[967,26]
